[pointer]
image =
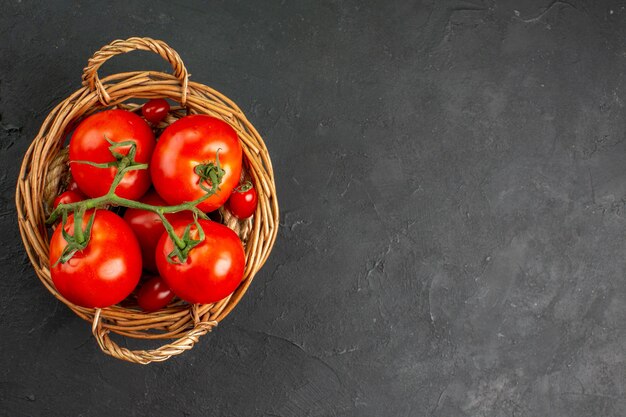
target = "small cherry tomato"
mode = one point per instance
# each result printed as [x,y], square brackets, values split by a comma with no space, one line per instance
[68,197]
[243,200]
[214,268]
[155,110]
[154,294]
[148,227]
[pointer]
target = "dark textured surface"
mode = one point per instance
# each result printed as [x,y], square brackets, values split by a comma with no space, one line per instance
[453,192]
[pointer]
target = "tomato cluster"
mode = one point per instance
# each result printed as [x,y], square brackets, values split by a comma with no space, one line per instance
[137,204]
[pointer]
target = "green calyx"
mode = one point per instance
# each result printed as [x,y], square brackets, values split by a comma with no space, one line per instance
[80,239]
[183,245]
[210,173]
[122,162]
[243,187]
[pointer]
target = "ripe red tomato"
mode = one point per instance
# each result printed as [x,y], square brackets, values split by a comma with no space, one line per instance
[89,143]
[187,143]
[148,227]
[72,186]
[243,200]
[68,197]
[155,110]
[106,271]
[154,294]
[212,270]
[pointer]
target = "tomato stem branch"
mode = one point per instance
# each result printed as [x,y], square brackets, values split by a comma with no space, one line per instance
[78,225]
[170,230]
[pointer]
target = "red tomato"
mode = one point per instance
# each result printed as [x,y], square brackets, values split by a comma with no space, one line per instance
[68,197]
[148,227]
[186,143]
[106,271]
[212,270]
[154,294]
[72,186]
[89,143]
[243,200]
[155,110]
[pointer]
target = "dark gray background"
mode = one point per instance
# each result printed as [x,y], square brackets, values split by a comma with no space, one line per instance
[452,181]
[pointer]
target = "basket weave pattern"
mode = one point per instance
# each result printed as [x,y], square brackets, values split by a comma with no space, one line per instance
[44,174]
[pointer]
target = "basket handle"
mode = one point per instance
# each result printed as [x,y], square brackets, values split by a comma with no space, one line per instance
[118,47]
[160,354]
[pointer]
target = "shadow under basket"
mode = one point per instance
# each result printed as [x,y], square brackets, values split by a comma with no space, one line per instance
[44,174]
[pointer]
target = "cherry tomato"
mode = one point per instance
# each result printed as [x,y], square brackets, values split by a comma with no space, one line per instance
[213,269]
[187,143]
[155,110]
[154,294]
[89,143]
[148,227]
[68,197]
[243,200]
[106,271]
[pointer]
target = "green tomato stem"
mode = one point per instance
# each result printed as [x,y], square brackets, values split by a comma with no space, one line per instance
[79,236]
[170,230]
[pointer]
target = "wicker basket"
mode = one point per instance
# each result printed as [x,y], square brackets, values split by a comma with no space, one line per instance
[44,174]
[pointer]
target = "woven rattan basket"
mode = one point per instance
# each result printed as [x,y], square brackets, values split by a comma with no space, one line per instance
[44,175]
